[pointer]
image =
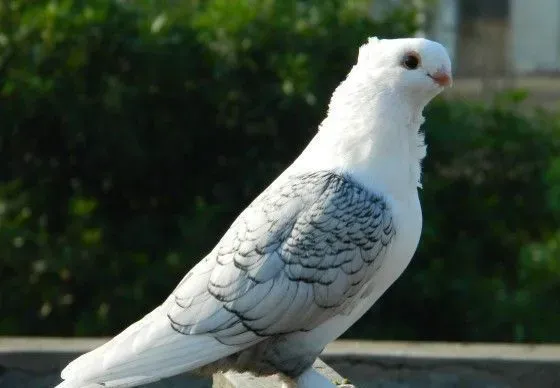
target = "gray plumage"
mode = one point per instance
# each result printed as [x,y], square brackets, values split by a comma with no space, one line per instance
[297,256]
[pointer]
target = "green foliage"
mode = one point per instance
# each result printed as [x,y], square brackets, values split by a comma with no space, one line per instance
[134,132]
[122,125]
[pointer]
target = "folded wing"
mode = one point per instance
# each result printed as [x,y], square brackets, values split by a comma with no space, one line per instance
[297,256]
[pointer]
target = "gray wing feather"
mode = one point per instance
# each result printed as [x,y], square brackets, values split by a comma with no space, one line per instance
[298,255]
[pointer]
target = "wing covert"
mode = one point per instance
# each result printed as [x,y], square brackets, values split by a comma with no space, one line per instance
[298,255]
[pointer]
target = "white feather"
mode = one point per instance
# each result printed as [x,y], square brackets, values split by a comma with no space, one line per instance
[147,351]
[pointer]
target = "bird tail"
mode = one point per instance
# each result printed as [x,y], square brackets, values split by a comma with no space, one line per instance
[147,351]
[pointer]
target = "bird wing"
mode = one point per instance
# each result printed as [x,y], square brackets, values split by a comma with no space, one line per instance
[297,256]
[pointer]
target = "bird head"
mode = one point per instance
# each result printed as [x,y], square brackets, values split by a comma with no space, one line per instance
[415,68]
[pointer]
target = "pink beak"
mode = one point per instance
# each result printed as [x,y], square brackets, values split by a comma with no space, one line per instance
[442,78]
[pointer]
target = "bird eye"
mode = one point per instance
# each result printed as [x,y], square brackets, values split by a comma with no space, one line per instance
[411,61]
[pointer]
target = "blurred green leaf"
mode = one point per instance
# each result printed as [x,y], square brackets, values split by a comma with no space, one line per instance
[134,132]
[82,206]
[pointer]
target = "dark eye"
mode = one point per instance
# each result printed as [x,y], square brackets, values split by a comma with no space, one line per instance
[411,61]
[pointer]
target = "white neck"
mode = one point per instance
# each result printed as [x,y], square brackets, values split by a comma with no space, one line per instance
[374,138]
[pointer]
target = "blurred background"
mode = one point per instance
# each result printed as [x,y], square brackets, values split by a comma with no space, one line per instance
[133,132]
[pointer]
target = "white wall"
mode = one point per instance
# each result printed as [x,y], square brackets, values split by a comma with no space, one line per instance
[535,29]
[444,27]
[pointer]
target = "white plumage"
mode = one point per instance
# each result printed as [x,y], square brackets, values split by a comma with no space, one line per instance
[312,253]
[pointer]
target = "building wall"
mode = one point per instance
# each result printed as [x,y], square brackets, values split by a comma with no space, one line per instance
[535,33]
[491,38]
[444,25]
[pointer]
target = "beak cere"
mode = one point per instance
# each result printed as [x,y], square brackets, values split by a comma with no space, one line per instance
[442,78]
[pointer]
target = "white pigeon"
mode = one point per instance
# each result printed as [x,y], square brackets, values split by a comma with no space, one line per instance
[311,254]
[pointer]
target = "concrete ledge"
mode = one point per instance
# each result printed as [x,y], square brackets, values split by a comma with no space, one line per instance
[444,350]
[40,354]
[442,365]
[36,362]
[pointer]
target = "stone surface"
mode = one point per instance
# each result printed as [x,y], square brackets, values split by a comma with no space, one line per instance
[242,380]
[16,378]
[36,363]
[13,378]
[422,365]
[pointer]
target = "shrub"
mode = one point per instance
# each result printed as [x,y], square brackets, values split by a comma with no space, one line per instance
[132,135]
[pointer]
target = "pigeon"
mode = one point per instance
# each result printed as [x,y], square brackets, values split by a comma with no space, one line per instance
[312,253]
